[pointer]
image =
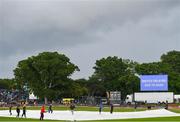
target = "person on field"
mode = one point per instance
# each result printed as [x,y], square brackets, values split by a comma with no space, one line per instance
[72,107]
[135,105]
[24,111]
[100,107]
[10,109]
[42,112]
[18,111]
[50,109]
[166,105]
[111,108]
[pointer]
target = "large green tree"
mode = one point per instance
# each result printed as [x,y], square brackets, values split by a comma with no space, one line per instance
[117,74]
[47,74]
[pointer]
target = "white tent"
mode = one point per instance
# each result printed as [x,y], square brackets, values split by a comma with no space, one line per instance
[32,97]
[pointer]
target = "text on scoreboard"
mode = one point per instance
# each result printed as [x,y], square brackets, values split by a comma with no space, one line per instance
[154,82]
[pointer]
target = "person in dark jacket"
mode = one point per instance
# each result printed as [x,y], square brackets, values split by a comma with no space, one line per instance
[111,108]
[18,111]
[50,109]
[72,107]
[166,105]
[10,109]
[100,107]
[24,111]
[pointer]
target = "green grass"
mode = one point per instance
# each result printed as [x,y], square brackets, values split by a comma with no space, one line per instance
[15,119]
[160,119]
[85,108]
[176,110]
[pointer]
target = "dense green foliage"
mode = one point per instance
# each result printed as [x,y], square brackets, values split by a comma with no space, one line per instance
[48,75]
[113,73]
[172,60]
[116,74]
[7,84]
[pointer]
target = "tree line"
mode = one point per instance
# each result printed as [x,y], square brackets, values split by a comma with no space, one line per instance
[48,75]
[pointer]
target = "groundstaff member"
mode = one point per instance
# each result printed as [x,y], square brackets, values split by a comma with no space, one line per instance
[72,107]
[42,112]
[24,111]
[18,111]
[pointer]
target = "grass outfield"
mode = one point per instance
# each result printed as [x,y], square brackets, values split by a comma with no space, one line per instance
[160,119]
[84,108]
[176,110]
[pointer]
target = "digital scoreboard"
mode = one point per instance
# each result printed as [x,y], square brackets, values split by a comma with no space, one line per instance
[154,82]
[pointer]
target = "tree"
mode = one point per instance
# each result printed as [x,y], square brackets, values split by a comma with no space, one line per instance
[110,68]
[128,84]
[7,84]
[172,58]
[80,87]
[95,86]
[75,89]
[46,75]
[154,68]
[116,74]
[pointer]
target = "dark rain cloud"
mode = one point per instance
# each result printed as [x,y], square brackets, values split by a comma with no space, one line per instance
[136,29]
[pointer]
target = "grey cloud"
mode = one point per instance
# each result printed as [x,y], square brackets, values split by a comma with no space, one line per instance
[37,24]
[109,27]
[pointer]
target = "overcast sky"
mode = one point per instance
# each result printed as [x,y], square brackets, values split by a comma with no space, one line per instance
[87,30]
